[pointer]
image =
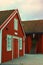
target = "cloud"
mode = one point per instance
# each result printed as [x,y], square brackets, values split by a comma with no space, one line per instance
[32,9]
[6,2]
[29,9]
[32,6]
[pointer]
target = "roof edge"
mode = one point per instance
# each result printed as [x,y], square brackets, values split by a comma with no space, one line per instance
[21,24]
[32,20]
[2,26]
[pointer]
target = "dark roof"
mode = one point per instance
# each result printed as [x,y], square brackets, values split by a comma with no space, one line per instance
[4,15]
[34,26]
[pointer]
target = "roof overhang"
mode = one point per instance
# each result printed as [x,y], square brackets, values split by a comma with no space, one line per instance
[33,32]
[8,20]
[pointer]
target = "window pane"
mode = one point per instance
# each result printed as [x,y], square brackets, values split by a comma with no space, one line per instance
[15,24]
[9,43]
[20,43]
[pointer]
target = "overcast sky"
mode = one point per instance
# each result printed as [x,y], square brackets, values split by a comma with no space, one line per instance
[28,9]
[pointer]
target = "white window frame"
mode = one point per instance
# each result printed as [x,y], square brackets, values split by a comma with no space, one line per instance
[20,43]
[10,37]
[15,24]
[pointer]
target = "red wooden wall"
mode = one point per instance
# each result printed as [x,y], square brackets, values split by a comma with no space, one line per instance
[39,44]
[28,44]
[7,55]
[42,44]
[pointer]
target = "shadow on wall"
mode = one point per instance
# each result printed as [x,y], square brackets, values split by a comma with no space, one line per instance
[33,44]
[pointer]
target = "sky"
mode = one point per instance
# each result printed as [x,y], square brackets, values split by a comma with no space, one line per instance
[28,9]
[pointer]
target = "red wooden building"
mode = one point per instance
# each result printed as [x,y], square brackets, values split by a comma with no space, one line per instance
[12,38]
[34,36]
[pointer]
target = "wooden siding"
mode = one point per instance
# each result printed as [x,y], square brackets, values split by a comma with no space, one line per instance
[9,29]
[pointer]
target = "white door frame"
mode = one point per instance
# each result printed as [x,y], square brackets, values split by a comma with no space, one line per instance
[15,37]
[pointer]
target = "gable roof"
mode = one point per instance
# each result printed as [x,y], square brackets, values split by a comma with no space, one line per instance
[34,26]
[4,15]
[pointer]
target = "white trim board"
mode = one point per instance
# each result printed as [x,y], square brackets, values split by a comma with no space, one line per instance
[15,37]
[0,46]
[8,20]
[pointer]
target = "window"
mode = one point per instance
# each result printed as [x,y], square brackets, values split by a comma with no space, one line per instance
[20,43]
[9,43]
[33,35]
[15,24]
